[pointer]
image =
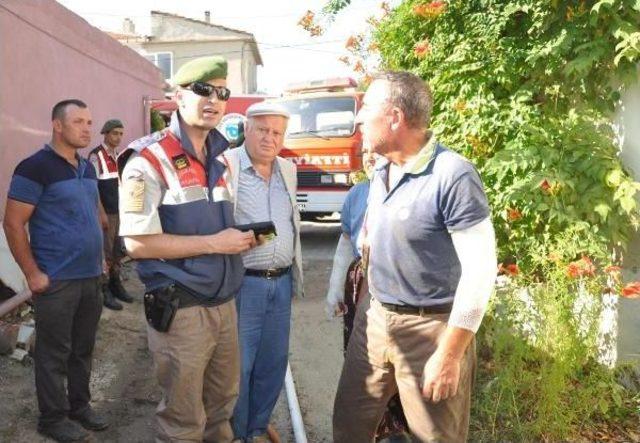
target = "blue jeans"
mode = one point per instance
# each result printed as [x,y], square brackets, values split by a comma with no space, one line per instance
[264,319]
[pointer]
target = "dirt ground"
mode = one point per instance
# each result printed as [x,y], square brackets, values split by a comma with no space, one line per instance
[123,385]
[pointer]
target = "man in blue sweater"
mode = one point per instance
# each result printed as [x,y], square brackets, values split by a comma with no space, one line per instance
[55,191]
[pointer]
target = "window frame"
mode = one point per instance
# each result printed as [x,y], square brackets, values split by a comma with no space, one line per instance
[155,61]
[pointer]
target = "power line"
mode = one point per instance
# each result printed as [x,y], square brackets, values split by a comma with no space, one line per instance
[319,42]
[108,14]
[239,51]
[272,47]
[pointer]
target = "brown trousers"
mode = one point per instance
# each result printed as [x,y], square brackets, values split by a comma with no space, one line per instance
[197,365]
[386,355]
[393,421]
[112,245]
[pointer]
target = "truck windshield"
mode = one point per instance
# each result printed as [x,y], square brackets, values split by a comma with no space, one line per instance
[323,117]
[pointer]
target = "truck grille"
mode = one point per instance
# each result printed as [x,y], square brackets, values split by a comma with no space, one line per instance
[309,179]
[313,179]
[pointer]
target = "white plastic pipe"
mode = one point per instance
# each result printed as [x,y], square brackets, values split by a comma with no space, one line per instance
[294,408]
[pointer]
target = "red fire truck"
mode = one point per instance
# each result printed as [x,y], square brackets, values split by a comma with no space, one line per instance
[322,141]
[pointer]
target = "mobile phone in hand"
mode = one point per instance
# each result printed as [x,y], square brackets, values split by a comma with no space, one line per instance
[268,229]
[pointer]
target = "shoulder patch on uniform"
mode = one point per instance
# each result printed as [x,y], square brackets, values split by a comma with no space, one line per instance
[133,198]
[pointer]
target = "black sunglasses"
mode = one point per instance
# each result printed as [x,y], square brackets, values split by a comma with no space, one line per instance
[206,90]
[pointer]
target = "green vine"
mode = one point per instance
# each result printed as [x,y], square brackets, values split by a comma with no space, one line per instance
[526,90]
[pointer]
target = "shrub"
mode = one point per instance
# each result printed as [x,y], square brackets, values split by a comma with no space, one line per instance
[157,122]
[540,378]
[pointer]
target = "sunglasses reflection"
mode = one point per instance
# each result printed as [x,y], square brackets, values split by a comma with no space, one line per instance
[206,90]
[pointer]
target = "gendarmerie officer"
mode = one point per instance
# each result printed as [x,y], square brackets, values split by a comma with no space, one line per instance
[103,158]
[176,219]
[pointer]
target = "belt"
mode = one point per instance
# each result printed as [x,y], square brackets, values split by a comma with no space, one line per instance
[186,298]
[267,273]
[417,310]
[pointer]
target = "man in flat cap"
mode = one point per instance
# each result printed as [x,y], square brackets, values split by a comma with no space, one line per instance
[177,220]
[263,188]
[103,158]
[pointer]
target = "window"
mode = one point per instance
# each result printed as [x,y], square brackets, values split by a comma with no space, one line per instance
[164,61]
[326,116]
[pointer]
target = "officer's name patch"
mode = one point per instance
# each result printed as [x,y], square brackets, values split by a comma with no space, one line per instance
[133,195]
[180,161]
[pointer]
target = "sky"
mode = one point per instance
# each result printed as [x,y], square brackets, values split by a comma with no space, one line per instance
[289,54]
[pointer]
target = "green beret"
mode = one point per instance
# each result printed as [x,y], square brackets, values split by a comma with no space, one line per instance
[200,70]
[111,124]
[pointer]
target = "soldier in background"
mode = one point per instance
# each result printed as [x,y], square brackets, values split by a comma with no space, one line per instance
[103,158]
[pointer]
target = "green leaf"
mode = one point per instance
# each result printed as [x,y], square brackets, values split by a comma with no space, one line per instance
[628,203]
[335,6]
[614,178]
[601,3]
[603,405]
[603,210]
[617,398]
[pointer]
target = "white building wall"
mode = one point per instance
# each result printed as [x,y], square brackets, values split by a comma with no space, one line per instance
[183,52]
[629,309]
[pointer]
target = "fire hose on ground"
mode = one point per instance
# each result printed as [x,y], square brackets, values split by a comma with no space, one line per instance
[294,408]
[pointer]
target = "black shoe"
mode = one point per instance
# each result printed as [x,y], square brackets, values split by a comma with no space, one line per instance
[64,431]
[90,419]
[108,300]
[115,285]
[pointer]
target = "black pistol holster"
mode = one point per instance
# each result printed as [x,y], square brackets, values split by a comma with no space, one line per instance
[160,307]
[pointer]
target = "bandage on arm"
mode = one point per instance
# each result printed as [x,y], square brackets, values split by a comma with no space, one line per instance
[341,261]
[476,249]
